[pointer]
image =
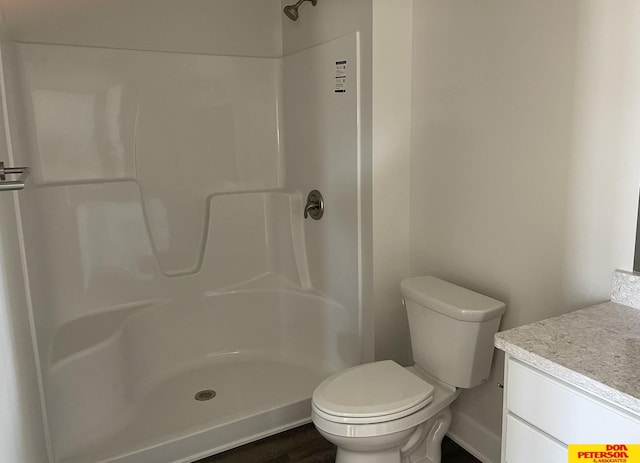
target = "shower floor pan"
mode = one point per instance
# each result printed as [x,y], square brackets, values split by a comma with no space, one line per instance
[254,398]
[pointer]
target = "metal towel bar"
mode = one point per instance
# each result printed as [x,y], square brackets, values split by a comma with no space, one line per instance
[12,185]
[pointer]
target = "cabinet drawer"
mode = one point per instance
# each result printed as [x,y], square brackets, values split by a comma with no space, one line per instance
[526,444]
[565,412]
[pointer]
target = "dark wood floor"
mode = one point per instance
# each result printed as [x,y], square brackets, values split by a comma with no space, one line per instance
[305,445]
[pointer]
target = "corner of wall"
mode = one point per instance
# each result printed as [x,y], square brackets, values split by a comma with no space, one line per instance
[391,153]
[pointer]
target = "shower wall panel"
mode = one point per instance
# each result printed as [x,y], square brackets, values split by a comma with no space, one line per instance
[183,126]
[96,253]
[127,148]
[322,136]
[23,435]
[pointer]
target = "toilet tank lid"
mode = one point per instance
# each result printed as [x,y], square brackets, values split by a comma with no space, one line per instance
[451,300]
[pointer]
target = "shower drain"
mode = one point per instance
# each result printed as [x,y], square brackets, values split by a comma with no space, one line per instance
[207,394]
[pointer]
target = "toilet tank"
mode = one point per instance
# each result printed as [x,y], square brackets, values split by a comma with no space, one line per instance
[452,329]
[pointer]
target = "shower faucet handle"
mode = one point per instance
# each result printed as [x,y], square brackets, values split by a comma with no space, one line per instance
[315,205]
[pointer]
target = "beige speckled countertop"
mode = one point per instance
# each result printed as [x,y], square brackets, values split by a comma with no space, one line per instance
[596,349]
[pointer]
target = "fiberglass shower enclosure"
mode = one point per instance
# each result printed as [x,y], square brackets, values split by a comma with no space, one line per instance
[165,248]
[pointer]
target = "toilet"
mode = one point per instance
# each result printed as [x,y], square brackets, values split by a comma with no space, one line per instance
[380,412]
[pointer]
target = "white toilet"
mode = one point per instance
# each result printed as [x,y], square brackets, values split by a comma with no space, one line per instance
[381,412]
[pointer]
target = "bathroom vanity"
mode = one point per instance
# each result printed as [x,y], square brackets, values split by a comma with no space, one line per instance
[573,379]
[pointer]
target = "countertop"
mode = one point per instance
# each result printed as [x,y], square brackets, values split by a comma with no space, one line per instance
[596,349]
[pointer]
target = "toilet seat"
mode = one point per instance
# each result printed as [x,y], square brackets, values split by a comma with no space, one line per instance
[372,393]
[369,419]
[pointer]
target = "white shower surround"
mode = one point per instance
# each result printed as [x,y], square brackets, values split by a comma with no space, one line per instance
[166,249]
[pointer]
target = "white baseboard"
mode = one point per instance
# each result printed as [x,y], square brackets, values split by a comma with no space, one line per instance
[475,438]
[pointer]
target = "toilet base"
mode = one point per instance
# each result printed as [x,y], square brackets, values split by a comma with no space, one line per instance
[378,449]
[422,444]
[429,449]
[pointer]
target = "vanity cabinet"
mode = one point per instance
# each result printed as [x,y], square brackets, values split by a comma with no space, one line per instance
[543,414]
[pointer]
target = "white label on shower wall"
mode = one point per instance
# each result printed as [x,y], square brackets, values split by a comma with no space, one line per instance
[341,77]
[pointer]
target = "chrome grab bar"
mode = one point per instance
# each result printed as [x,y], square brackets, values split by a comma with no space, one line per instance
[13,185]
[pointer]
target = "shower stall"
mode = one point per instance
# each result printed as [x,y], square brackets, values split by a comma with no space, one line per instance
[180,303]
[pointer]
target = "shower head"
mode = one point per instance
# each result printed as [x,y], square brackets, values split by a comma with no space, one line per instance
[292,10]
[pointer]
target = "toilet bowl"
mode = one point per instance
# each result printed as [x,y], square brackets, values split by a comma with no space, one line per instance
[381,412]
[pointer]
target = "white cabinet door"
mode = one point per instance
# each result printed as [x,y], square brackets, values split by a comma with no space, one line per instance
[526,444]
[565,412]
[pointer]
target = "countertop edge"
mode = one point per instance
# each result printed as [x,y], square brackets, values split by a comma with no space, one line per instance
[572,377]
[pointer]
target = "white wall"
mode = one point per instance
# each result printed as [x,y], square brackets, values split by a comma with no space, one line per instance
[328,20]
[392,36]
[220,27]
[525,160]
